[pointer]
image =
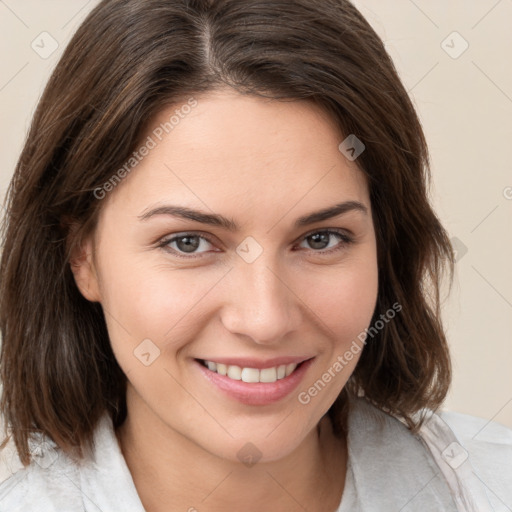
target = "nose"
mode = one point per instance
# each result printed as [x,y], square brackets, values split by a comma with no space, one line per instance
[260,302]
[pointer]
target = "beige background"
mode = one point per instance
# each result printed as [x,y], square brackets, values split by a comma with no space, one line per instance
[464,99]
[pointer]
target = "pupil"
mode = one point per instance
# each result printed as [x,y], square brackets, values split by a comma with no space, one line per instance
[188,246]
[319,240]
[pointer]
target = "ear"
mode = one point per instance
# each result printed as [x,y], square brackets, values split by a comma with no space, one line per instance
[83,266]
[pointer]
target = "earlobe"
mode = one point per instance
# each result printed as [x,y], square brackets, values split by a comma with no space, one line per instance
[84,271]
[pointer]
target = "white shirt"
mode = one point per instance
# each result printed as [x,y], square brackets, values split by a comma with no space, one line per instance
[388,469]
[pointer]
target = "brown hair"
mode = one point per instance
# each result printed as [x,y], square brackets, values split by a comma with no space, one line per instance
[127,60]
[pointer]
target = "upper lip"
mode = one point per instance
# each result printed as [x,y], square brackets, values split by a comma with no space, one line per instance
[249,362]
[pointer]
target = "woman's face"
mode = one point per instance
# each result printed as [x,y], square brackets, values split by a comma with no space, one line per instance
[258,284]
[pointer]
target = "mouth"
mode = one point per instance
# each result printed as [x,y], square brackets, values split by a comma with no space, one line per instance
[251,375]
[252,382]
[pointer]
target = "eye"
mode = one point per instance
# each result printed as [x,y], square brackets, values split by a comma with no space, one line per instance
[186,243]
[322,241]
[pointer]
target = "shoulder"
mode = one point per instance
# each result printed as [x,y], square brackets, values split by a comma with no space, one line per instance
[483,436]
[455,461]
[49,484]
[488,445]
[54,482]
[389,468]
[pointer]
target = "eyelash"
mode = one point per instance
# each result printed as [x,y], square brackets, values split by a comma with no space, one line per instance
[345,240]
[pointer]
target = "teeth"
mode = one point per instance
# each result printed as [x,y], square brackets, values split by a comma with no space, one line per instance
[268,375]
[289,368]
[234,372]
[252,374]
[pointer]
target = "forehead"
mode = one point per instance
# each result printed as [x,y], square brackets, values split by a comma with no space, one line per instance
[242,153]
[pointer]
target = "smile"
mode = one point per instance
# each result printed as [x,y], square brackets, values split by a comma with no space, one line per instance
[252,375]
[245,383]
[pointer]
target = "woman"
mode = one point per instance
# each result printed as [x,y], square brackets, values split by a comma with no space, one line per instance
[220,273]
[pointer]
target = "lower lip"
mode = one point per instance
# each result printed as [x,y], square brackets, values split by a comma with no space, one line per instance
[256,393]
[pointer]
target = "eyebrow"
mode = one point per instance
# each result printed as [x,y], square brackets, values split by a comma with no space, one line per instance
[214,219]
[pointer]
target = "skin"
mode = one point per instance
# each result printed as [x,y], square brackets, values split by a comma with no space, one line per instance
[263,164]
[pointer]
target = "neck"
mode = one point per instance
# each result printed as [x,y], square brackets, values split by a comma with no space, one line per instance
[172,473]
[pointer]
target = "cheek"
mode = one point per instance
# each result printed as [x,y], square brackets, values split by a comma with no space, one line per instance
[345,298]
[345,302]
[159,303]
